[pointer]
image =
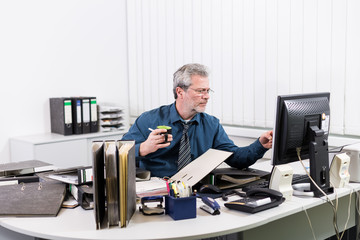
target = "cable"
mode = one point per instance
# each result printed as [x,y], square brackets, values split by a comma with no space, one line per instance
[348,217]
[298,150]
[312,229]
[335,208]
[357,202]
[332,150]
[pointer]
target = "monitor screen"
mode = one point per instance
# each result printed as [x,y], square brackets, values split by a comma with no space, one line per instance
[303,121]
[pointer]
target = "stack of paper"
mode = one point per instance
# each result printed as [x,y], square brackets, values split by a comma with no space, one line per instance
[155,186]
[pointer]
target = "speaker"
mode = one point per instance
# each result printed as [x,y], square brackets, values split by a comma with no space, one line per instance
[353,152]
[339,170]
[281,179]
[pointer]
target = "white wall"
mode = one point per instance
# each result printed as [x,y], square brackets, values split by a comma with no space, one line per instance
[54,49]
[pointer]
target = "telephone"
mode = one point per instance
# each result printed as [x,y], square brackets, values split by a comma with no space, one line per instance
[264,192]
[256,200]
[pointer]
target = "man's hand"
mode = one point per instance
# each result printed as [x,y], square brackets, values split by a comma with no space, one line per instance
[154,142]
[266,139]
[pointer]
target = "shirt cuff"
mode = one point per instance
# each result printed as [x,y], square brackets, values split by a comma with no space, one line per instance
[260,147]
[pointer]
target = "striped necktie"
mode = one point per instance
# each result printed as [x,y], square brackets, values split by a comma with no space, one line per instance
[185,149]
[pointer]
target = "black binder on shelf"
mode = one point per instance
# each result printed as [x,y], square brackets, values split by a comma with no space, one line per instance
[94,123]
[76,104]
[32,199]
[61,116]
[86,115]
[123,178]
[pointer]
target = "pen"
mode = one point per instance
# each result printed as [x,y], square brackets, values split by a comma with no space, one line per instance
[173,186]
[168,187]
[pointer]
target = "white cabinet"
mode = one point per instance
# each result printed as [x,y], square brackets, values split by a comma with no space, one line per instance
[61,151]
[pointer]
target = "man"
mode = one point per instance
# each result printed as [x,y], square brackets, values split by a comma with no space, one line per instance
[191,92]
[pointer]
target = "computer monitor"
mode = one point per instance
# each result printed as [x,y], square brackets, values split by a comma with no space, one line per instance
[303,120]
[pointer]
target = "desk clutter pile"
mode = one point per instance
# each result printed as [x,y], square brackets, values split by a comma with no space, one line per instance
[111,188]
[35,188]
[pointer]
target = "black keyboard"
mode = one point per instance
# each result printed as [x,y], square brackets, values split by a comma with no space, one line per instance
[262,183]
[300,178]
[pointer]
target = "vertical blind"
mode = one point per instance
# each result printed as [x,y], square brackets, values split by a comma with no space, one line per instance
[255,50]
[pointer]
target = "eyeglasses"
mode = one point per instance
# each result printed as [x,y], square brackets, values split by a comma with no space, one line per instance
[202,91]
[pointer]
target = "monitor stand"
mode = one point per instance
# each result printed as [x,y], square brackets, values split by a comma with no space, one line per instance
[319,162]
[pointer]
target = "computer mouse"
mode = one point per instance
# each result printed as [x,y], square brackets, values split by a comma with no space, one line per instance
[209,188]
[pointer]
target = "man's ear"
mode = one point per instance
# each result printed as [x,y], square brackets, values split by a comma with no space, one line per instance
[179,92]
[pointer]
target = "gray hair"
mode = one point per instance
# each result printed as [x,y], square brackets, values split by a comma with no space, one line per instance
[182,77]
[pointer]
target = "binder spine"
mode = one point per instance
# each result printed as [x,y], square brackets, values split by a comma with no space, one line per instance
[61,116]
[86,115]
[76,114]
[67,113]
[85,175]
[94,126]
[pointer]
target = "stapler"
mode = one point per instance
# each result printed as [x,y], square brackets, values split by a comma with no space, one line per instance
[147,210]
[211,206]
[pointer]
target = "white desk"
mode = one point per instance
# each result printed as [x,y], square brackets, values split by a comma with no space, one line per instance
[277,223]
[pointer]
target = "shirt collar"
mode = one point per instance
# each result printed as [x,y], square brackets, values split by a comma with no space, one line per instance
[175,117]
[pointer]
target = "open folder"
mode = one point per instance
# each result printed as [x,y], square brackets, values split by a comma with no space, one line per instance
[201,166]
[114,191]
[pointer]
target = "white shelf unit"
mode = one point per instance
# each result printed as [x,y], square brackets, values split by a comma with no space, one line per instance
[59,150]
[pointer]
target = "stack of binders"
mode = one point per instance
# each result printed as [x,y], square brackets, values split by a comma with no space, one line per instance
[114,180]
[111,118]
[73,115]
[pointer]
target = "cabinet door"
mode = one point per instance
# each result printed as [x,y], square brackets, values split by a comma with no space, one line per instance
[63,154]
